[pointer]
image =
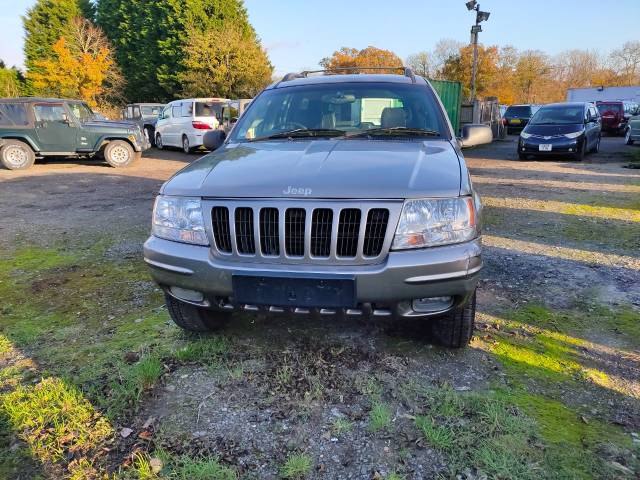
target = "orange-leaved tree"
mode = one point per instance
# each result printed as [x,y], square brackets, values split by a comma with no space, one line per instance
[82,66]
[353,60]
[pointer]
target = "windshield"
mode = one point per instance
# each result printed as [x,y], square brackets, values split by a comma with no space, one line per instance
[208,109]
[82,112]
[152,111]
[610,107]
[518,112]
[341,108]
[565,115]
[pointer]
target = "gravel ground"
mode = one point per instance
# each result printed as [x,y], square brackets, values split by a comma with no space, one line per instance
[534,253]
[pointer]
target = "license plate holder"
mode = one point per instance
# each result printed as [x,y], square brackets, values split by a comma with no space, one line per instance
[545,147]
[294,291]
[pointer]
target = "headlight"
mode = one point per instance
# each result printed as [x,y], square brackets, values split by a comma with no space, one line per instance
[179,219]
[432,222]
[525,135]
[573,135]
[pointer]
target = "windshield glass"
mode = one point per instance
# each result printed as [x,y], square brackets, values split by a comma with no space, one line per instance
[341,108]
[208,109]
[81,111]
[152,111]
[518,112]
[610,107]
[563,115]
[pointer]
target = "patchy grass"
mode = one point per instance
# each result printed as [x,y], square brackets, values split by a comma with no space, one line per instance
[186,468]
[205,350]
[297,466]
[379,417]
[341,426]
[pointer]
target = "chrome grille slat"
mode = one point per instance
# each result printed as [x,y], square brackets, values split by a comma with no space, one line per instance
[305,232]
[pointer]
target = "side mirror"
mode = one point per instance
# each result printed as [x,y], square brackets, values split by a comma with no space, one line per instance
[475,134]
[214,139]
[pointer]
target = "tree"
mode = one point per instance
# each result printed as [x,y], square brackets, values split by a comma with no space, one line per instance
[445,49]
[530,76]
[150,38]
[82,67]
[224,62]
[420,63]
[45,23]
[349,58]
[11,82]
[459,67]
[626,62]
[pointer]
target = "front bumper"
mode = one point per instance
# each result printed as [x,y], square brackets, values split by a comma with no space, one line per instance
[563,146]
[388,287]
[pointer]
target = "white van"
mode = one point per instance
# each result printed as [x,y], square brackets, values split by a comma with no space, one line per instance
[183,123]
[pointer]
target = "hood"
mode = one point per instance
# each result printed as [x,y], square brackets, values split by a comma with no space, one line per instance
[550,130]
[371,169]
[116,124]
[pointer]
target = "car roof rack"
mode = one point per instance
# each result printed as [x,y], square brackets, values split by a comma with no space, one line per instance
[293,76]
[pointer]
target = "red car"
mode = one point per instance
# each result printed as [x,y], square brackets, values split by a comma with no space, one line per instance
[615,115]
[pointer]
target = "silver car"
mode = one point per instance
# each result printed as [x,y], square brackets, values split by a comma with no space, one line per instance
[332,195]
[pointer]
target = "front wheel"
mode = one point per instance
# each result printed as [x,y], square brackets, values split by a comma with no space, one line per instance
[159,144]
[149,135]
[119,153]
[455,329]
[16,155]
[582,149]
[596,148]
[195,319]
[627,137]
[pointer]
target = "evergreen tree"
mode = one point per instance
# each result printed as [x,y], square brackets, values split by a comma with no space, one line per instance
[45,23]
[151,38]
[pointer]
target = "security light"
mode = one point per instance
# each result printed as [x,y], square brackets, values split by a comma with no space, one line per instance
[483,16]
[471,5]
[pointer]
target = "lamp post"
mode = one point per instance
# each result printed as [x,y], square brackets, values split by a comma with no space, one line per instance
[481,16]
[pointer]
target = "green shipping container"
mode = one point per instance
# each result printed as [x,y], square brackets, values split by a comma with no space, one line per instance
[451,95]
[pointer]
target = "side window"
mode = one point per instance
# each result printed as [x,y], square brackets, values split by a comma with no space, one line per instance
[166,113]
[176,111]
[187,109]
[593,112]
[129,112]
[50,113]
[12,114]
[136,112]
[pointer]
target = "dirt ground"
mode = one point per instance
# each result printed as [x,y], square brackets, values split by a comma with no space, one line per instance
[557,341]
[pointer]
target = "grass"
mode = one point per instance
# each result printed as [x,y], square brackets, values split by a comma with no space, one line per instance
[341,426]
[204,350]
[297,466]
[379,417]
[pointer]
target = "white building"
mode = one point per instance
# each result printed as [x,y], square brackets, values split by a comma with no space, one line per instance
[631,94]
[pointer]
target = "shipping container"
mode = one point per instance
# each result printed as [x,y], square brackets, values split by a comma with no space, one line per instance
[451,95]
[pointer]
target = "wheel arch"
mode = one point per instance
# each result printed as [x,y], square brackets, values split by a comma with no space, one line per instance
[22,138]
[103,142]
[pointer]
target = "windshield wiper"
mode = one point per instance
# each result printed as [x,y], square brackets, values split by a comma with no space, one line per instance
[301,133]
[395,131]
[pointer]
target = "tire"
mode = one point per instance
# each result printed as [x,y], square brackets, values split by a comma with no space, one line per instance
[159,144]
[455,329]
[16,155]
[523,156]
[596,147]
[186,148]
[195,319]
[579,156]
[119,154]
[627,137]
[150,135]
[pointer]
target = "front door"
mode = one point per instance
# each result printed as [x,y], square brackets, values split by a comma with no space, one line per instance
[56,131]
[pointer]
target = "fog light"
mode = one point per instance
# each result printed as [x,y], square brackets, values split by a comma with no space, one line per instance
[188,295]
[571,149]
[433,304]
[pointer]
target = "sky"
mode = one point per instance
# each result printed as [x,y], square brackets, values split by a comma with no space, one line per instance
[298,34]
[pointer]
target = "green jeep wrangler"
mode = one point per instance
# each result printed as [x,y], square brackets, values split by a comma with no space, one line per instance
[33,128]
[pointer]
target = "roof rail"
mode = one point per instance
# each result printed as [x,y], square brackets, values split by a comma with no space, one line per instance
[407,72]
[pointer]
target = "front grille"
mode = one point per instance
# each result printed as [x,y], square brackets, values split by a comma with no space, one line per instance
[294,232]
[377,222]
[335,231]
[221,232]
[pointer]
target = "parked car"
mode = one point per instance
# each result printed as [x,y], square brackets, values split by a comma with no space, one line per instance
[616,115]
[516,117]
[32,128]
[145,115]
[332,195]
[183,123]
[231,112]
[632,133]
[562,129]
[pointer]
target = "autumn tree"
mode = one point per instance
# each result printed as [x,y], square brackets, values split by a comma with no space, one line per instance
[353,60]
[626,61]
[421,63]
[459,68]
[82,66]
[227,62]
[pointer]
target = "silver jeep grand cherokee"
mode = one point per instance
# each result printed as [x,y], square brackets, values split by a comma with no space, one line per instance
[333,195]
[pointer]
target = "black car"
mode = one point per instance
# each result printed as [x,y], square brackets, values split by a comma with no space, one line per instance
[562,129]
[516,117]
